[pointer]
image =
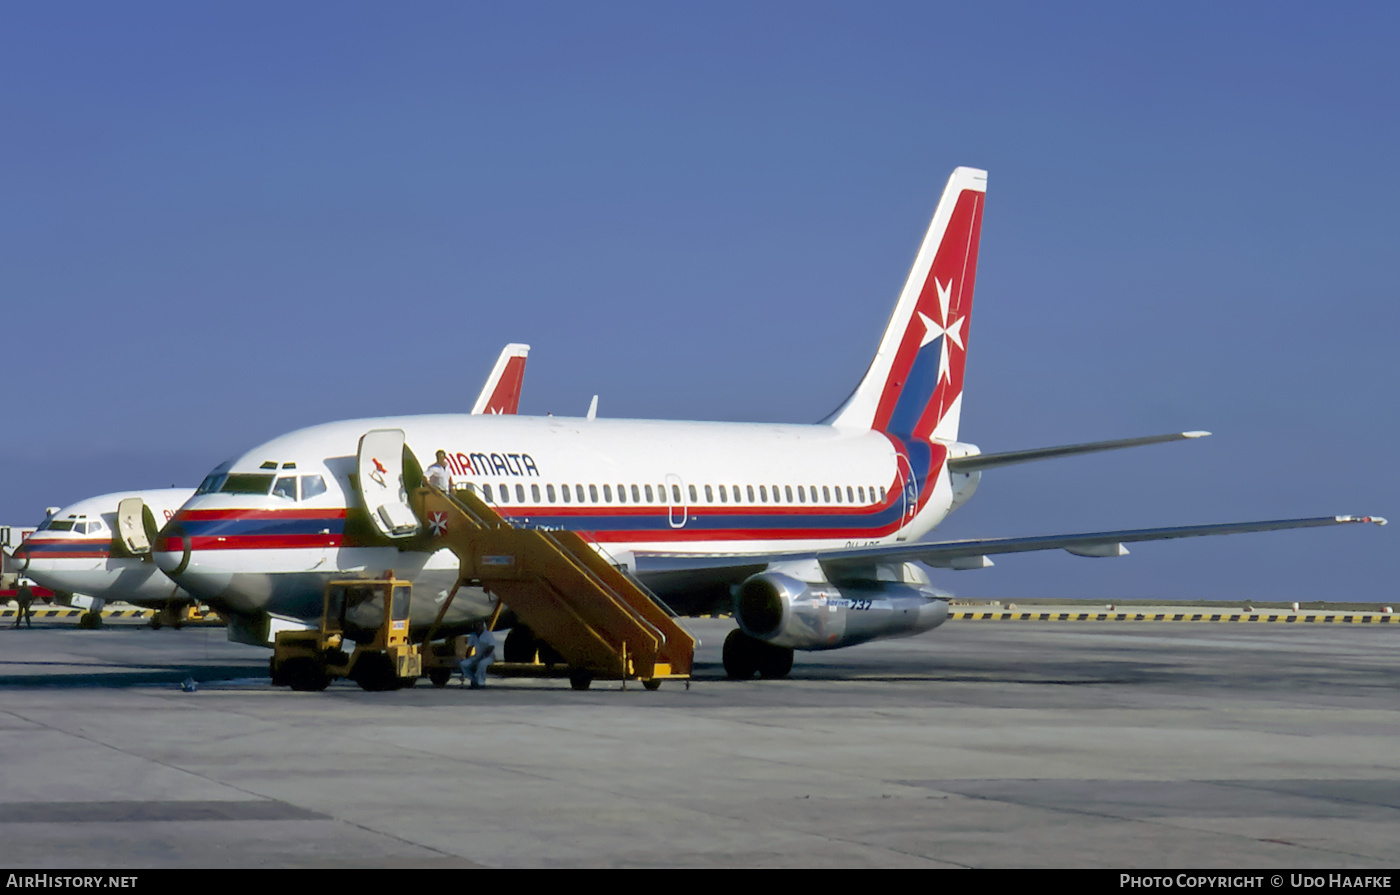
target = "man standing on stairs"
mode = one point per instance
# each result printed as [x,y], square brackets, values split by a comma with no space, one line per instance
[437,474]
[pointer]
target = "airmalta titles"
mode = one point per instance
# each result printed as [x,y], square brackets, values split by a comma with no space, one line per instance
[492,464]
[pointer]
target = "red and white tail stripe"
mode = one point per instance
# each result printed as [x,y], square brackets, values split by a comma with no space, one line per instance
[913,388]
[501,394]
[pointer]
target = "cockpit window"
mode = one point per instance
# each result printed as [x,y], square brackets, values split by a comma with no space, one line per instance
[247,483]
[56,525]
[211,483]
[312,485]
[286,486]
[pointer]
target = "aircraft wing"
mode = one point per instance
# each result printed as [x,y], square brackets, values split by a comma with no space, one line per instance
[972,553]
[716,572]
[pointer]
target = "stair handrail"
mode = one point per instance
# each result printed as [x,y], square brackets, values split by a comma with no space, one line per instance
[617,598]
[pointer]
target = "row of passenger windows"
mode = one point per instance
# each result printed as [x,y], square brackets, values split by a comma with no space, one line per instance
[644,494]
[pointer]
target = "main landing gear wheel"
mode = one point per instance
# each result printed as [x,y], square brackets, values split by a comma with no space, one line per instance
[520,645]
[774,662]
[745,656]
[90,620]
[439,676]
[652,684]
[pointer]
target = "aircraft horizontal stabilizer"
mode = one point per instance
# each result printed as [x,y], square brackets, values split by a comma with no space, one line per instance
[977,462]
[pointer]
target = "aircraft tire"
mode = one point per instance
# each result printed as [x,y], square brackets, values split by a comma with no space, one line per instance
[580,679]
[740,659]
[440,676]
[652,684]
[774,662]
[155,622]
[520,645]
[90,621]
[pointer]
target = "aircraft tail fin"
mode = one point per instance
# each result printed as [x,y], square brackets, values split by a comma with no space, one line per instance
[501,394]
[913,389]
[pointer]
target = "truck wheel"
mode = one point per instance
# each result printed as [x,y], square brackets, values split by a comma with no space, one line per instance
[375,672]
[305,675]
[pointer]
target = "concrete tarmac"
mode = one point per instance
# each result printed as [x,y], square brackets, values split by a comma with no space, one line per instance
[981,744]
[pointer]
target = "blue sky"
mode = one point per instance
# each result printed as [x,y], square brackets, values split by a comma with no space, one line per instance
[220,222]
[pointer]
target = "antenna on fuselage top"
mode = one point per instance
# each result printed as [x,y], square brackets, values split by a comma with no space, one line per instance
[593,408]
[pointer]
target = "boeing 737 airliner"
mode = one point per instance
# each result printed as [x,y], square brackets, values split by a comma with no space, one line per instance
[100,547]
[809,533]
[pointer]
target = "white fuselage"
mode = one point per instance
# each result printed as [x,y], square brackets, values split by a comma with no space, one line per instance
[71,551]
[637,487]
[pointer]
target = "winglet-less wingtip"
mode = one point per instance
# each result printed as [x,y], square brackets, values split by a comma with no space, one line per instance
[1376,520]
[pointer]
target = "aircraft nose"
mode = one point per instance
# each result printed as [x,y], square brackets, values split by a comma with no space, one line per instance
[19,560]
[204,574]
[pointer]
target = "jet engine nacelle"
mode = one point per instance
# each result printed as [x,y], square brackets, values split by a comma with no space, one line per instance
[784,611]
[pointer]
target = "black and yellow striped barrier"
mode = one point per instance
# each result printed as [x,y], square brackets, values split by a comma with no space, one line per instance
[59,612]
[1337,618]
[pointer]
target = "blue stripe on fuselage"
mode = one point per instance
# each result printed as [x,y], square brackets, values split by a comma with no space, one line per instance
[235,526]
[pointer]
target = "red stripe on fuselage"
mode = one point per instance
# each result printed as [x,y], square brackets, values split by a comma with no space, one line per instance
[203,515]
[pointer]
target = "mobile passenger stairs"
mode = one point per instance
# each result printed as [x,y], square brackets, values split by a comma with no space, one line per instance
[603,622]
[577,604]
